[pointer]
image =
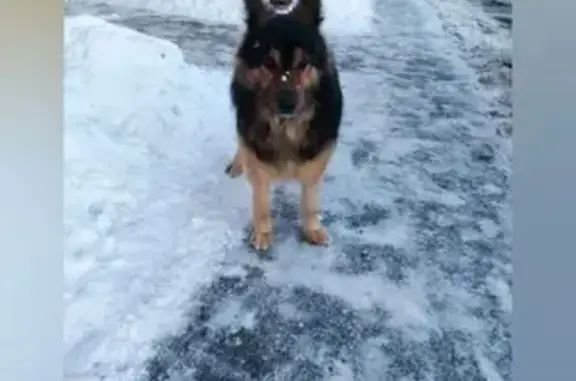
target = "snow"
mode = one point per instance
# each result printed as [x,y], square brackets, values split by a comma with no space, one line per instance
[342,17]
[133,164]
[416,283]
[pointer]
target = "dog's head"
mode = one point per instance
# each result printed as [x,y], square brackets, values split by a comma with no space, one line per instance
[306,11]
[282,59]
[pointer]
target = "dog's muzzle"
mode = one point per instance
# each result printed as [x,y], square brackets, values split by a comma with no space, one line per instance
[286,102]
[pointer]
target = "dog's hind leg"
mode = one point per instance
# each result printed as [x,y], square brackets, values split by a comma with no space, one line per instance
[235,168]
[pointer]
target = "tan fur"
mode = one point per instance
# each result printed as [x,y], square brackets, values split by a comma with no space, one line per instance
[287,134]
[261,176]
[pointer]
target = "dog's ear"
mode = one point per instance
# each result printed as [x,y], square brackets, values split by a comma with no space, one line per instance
[322,56]
[310,12]
[317,12]
[254,11]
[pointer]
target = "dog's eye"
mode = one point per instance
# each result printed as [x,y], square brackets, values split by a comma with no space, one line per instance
[302,65]
[270,63]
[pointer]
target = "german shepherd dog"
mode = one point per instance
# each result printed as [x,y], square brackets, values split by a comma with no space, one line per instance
[288,102]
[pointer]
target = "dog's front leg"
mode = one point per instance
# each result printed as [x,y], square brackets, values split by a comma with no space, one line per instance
[310,176]
[312,228]
[261,218]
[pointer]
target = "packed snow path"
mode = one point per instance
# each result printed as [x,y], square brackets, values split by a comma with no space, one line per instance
[416,284]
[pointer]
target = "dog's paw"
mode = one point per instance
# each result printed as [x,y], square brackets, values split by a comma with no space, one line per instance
[234,170]
[261,241]
[316,236]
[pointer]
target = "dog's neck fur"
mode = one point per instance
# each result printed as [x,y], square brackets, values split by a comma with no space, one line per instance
[285,135]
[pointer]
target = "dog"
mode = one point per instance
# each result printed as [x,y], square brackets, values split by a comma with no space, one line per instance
[288,102]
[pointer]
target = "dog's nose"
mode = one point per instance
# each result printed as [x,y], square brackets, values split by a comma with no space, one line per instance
[286,103]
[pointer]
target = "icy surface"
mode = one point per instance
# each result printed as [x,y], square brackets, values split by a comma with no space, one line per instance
[342,17]
[159,282]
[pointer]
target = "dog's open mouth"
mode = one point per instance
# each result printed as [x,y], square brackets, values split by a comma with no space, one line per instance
[281,6]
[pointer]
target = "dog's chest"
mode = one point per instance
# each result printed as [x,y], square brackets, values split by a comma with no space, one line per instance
[278,145]
[286,138]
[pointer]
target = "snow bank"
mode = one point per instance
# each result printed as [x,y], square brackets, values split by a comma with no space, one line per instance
[342,17]
[140,238]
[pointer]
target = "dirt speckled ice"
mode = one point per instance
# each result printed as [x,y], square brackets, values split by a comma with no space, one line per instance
[159,282]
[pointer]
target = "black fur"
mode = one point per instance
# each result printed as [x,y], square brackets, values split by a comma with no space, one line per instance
[284,33]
